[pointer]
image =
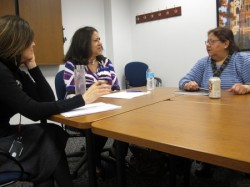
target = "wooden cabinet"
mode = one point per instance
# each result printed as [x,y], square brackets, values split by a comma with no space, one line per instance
[45,18]
[7,7]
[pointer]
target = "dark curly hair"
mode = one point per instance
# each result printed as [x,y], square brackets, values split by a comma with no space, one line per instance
[80,47]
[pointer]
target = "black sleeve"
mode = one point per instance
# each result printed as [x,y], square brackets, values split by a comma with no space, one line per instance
[16,100]
[42,87]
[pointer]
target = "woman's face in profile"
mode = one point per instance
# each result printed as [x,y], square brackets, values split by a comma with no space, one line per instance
[214,46]
[28,53]
[96,44]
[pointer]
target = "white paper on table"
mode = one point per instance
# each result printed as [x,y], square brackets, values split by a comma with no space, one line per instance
[126,94]
[90,109]
[200,92]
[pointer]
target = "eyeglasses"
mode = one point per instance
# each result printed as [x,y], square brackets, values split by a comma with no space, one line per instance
[211,42]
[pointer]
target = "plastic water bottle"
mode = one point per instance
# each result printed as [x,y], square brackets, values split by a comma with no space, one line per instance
[79,78]
[150,79]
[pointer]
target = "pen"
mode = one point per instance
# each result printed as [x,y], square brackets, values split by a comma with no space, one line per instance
[203,89]
[134,91]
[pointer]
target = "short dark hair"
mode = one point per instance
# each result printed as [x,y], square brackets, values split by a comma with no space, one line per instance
[223,34]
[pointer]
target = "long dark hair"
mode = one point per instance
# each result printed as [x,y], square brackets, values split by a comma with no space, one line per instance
[80,48]
[223,34]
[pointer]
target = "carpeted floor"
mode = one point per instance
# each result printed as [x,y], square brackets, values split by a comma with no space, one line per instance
[221,177]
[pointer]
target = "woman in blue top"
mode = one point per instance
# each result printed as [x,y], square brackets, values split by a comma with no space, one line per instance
[224,61]
[86,49]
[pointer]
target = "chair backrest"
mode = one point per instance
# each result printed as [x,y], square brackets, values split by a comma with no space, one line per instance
[60,85]
[9,177]
[135,74]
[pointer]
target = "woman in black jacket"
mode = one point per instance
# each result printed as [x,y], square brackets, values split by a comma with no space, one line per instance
[29,94]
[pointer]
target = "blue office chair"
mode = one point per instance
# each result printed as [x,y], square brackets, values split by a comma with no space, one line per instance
[135,75]
[60,85]
[74,132]
[10,177]
[60,93]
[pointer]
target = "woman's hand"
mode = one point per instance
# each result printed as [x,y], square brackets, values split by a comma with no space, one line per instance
[30,63]
[240,89]
[28,57]
[191,86]
[98,89]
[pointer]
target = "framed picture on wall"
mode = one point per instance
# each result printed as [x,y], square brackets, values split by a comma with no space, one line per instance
[235,14]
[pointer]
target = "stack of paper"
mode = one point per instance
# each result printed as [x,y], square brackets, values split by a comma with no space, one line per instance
[90,109]
[126,94]
[200,92]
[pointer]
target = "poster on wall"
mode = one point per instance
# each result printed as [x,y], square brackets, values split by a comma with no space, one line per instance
[235,14]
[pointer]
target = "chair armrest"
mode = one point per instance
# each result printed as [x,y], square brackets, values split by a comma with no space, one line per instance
[127,84]
[158,82]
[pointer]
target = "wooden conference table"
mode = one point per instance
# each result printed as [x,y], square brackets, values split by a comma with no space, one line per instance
[85,122]
[227,98]
[191,128]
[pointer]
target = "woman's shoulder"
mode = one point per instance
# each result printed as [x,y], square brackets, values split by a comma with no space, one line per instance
[241,54]
[2,66]
[204,60]
[68,62]
[4,69]
[69,65]
[6,74]
[106,62]
[241,57]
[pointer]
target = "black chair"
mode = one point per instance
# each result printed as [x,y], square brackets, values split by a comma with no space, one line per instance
[8,177]
[135,75]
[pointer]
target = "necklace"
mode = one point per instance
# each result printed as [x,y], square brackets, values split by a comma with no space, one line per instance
[217,72]
[92,62]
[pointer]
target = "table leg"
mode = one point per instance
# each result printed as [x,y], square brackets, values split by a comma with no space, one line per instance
[91,158]
[187,166]
[173,163]
[120,163]
[172,173]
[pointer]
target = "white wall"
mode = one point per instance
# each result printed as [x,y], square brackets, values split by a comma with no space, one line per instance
[80,13]
[170,46]
[122,36]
